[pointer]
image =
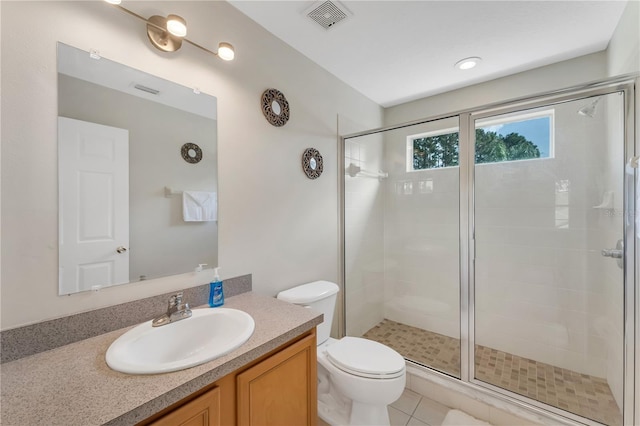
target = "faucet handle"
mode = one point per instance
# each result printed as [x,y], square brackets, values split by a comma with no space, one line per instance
[175,300]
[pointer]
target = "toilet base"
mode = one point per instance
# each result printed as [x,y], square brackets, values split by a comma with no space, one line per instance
[333,412]
[369,415]
[339,411]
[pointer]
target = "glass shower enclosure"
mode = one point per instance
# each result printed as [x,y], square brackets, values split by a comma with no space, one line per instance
[496,246]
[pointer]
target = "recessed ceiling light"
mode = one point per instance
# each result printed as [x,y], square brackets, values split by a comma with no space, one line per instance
[467,63]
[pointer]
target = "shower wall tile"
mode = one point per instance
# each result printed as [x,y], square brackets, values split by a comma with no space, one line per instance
[422,244]
[538,291]
[568,239]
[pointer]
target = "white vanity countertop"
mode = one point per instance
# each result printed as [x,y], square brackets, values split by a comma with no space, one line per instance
[72,385]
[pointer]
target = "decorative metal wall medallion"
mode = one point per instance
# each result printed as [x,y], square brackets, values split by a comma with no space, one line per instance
[312,163]
[275,107]
[191,153]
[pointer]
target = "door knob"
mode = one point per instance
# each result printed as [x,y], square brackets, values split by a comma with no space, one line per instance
[121,249]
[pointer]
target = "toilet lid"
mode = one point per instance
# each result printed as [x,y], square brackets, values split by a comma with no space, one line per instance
[366,358]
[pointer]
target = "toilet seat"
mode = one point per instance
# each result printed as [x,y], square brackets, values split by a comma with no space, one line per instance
[365,358]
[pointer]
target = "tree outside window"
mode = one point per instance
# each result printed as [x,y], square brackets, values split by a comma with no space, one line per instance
[437,151]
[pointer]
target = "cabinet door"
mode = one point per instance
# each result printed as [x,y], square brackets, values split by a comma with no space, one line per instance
[282,389]
[202,411]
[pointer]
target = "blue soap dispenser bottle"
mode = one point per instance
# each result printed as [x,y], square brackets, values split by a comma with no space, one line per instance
[216,291]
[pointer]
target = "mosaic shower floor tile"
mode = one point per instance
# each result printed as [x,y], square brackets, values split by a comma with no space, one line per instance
[585,395]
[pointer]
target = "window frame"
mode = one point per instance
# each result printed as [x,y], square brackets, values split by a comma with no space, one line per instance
[508,118]
[411,138]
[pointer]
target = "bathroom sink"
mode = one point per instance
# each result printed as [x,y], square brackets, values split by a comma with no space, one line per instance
[208,334]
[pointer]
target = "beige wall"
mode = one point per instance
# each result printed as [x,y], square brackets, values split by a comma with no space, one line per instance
[274,222]
[623,53]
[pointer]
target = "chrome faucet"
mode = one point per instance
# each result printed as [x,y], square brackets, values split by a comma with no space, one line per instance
[176,311]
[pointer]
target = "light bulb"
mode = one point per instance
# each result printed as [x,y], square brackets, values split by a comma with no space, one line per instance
[114,1]
[225,51]
[176,25]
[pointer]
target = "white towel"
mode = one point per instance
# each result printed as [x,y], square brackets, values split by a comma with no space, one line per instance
[199,206]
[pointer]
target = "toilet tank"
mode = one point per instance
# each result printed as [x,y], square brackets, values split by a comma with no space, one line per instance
[317,295]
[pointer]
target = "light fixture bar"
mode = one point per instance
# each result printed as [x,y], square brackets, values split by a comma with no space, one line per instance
[207,50]
[124,9]
[164,30]
[199,47]
[142,18]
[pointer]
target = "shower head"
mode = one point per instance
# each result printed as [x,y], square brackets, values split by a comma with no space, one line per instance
[589,110]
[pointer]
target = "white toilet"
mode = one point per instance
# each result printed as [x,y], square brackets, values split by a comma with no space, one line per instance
[357,378]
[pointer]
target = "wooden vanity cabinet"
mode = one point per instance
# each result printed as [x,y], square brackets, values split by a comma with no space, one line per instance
[202,411]
[277,389]
[282,389]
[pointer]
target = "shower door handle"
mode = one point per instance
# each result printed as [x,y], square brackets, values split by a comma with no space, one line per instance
[617,253]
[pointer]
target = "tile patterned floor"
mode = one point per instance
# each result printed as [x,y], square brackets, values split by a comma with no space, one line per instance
[412,409]
[432,349]
[581,394]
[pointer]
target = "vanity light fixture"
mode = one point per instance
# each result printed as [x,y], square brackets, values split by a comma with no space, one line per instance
[468,63]
[167,34]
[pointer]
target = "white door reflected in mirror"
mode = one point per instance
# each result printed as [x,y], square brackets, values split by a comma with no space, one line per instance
[94,205]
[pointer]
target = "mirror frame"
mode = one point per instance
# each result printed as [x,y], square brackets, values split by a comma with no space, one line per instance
[312,163]
[271,97]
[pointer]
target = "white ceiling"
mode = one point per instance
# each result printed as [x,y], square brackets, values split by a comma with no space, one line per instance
[397,51]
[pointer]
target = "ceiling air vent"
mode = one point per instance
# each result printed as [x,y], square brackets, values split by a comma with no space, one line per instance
[327,13]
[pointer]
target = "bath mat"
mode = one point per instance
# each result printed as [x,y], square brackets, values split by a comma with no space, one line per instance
[458,418]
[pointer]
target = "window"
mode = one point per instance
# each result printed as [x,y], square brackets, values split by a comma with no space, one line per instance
[504,138]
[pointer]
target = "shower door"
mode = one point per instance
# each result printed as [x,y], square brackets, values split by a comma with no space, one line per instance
[548,283]
[402,263]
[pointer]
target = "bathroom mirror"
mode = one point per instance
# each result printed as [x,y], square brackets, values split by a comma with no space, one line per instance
[129,145]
